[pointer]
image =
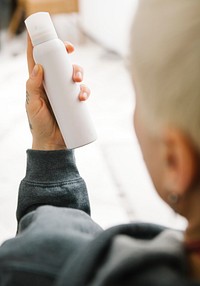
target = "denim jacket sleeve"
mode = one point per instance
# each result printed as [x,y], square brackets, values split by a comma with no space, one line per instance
[52,178]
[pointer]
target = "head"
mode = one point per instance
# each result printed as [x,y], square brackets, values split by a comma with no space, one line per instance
[165,59]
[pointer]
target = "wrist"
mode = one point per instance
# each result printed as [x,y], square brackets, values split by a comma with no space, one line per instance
[48,147]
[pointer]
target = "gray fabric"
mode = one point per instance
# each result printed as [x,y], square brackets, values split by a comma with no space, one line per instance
[134,254]
[52,212]
[51,178]
[124,248]
[58,243]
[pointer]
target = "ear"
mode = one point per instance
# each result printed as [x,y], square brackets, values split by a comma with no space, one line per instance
[180,160]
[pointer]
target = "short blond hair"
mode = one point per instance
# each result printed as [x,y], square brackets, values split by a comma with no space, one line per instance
[165,58]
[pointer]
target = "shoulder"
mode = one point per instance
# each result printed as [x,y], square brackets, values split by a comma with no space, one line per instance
[132,252]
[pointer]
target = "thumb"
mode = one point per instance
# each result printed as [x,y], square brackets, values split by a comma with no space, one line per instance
[34,89]
[35,82]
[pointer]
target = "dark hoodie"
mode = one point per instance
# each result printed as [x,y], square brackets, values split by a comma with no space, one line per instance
[59,244]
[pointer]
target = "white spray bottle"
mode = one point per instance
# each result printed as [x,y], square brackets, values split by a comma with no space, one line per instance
[71,114]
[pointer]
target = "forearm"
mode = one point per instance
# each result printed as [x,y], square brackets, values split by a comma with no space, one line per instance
[52,178]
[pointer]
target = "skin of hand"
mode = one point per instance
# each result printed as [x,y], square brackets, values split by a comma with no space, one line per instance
[44,128]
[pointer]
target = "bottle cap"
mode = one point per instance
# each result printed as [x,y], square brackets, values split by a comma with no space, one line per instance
[40,28]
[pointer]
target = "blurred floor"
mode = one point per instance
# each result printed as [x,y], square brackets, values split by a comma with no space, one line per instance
[119,187]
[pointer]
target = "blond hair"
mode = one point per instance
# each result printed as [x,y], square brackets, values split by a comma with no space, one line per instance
[165,59]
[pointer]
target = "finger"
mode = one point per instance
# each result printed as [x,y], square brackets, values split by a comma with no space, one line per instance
[69,47]
[84,93]
[35,95]
[77,73]
[30,60]
[34,85]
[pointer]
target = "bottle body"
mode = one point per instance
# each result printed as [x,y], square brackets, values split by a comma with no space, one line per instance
[72,115]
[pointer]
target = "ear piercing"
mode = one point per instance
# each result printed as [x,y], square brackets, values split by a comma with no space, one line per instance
[173,198]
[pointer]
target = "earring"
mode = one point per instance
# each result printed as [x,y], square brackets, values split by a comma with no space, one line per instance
[173,198]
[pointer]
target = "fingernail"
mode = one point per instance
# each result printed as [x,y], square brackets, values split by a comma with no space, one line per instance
[84,95]
[35,71]
[79,75]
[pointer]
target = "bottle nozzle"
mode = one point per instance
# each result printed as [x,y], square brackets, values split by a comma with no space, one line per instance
[40,28]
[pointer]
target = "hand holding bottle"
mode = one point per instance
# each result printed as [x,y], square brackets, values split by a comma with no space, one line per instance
[44,128]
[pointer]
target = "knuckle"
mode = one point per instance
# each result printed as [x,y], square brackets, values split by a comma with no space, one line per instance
[78,68]
[85,88]
[81,69]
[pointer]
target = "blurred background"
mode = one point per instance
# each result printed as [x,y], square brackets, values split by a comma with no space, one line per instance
[119,186]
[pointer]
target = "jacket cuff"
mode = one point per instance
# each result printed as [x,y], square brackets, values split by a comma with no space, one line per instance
[50,166]
[52,178]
